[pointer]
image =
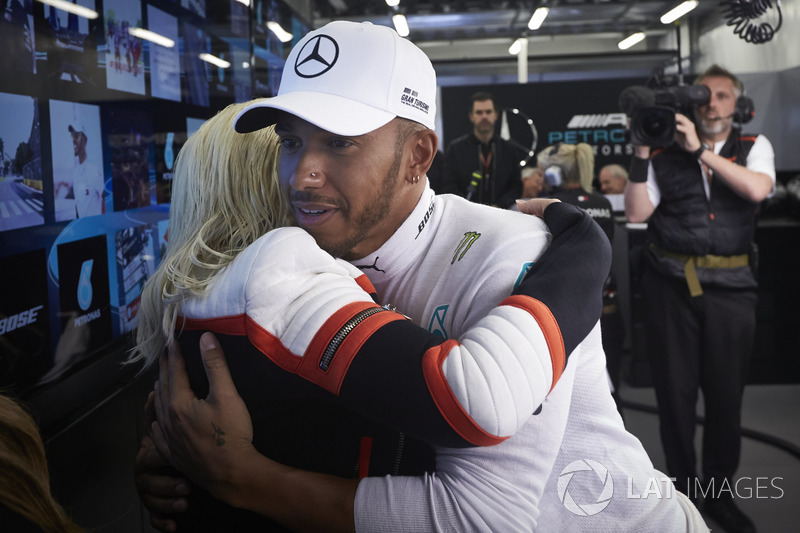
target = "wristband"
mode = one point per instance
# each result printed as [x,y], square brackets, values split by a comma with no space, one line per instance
[638,170]
[699,151]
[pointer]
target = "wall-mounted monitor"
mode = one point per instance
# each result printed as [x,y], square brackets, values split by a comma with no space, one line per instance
[93,114]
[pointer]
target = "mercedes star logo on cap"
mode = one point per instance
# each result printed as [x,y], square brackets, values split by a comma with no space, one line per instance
[316,57]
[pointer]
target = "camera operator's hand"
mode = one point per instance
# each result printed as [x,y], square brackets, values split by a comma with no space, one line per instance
[686,134]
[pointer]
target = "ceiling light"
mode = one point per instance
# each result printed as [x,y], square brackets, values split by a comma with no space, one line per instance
[401,25]
[392,3]
[629,41]
[69,7]
[245,2]
[152,36]
[538,17]
[677,12]
[214,60]
[516,46]
[283,35]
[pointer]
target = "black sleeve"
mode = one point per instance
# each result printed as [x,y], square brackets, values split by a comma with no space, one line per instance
[569,276]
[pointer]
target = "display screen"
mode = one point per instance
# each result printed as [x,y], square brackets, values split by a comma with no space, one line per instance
[95,105]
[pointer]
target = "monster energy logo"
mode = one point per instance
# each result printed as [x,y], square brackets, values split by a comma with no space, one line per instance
[466,243]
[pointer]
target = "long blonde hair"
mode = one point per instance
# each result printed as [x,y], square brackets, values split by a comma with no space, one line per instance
[225,195]
[576,162]
[24,477]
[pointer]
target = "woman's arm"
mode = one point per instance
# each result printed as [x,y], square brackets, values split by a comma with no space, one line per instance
[211,440]
[310,317]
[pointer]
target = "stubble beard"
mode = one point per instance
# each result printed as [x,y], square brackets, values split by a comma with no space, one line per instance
[710,128]
[364,223]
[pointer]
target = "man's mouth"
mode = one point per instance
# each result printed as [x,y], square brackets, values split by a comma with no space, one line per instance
[309,214]
[311,211]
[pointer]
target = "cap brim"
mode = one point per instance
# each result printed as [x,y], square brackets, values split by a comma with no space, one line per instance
[332,113]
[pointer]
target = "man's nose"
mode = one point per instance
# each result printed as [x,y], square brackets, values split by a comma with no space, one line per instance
[308,173]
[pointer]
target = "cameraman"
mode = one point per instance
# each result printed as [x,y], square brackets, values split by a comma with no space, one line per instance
[481,166]
[701,195]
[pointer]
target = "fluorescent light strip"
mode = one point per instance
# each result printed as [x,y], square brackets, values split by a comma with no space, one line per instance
[515,47]
[69,7]
[629,41]
[538,18]
[214,60]
[401,25]
[152,36]
[283,35]
[677,12]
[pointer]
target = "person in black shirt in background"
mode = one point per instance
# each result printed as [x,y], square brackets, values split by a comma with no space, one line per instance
[569,171]
[481,166]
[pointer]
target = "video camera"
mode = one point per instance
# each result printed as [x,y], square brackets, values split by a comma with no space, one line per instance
[652,112]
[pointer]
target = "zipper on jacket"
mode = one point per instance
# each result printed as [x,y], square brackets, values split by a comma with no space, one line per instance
[401,444]
[342,334]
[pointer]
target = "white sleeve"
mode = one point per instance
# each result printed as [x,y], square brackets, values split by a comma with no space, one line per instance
[468,492]
[762,158]
[652,185]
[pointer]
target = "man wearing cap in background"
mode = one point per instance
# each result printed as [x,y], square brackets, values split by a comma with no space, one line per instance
[355,114]
[87,180]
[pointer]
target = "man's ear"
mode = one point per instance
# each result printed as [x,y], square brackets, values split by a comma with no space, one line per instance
[426,144]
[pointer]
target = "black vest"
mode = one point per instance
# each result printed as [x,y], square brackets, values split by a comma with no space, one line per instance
[686,222]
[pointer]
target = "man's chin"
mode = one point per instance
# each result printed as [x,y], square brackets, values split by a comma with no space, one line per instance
[713,127]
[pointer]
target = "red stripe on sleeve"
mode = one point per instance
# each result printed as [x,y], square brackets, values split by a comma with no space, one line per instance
[445,400]
[364,453]
[243,325]
[365,284]
[332,378]
[547,322]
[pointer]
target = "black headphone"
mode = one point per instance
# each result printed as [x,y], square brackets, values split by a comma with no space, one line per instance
[745,110]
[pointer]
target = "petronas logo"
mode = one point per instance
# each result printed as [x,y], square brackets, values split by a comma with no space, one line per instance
[466,243]
[524,272]
[437,325]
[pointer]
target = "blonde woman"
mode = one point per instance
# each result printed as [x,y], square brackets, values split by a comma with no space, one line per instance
[319,365]
[26,503]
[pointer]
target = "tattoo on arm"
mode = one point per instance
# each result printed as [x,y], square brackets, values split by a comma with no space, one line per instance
[218,434]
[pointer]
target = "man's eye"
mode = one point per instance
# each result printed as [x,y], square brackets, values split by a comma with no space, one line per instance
[340,143]
[288,143]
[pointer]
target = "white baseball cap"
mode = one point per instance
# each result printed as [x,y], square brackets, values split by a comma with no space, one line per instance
[350,78]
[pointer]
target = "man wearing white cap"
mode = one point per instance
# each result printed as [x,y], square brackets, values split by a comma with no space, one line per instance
[355,114]
[87,180]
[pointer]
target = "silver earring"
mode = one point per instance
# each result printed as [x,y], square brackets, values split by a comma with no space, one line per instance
[415,180]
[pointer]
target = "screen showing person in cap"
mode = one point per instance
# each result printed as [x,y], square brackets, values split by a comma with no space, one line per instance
[355,114]
[79,193]
[87,180]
